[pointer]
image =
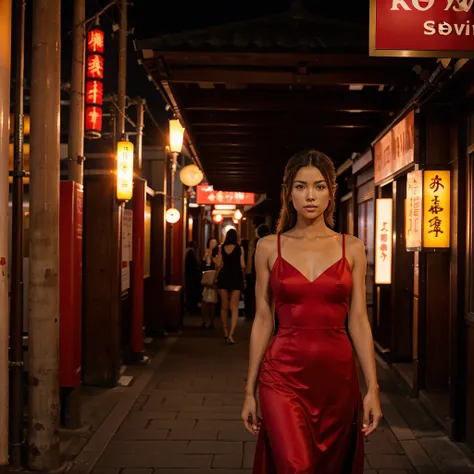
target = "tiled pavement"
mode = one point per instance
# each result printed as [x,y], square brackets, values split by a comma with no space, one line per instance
[186,420]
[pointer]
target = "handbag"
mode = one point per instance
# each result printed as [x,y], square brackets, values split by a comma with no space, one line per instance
[209,295]
[208,278]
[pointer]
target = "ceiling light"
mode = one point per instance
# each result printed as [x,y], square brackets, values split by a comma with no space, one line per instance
[356,87]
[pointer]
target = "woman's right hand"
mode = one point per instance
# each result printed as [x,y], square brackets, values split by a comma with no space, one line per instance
[249,414]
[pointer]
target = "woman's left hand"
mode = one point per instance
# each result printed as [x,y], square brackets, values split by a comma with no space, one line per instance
[372,412]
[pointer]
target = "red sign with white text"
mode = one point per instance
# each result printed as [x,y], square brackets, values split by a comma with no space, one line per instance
[428,28]
[205,194]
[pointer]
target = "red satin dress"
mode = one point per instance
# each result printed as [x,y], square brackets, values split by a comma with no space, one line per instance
[308,384]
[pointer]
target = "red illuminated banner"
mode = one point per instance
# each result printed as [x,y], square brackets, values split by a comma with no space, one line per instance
[422,28]
[205,194]
[94,84]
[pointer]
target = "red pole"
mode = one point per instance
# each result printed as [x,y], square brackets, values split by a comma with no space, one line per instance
[139,202]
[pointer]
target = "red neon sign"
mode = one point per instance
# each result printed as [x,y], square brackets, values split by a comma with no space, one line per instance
[94,84]
[206,194]
[95,41]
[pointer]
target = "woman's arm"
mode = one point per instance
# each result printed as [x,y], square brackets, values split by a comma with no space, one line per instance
[361,333]
[242,258]
[263,324]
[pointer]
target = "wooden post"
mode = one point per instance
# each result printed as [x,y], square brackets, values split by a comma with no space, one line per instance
[43,420]
[5,53]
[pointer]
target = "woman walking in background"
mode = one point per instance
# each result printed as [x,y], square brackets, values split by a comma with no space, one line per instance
[209,294]
[230,281]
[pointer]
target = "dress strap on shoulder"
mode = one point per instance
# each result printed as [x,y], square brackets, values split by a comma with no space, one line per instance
[279,244]
[343,246]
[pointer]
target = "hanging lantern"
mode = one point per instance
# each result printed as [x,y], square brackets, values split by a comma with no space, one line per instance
[235,221]
[172,215]
[176,136]
[124,170]
[218,218]
[191,175]
[237,215]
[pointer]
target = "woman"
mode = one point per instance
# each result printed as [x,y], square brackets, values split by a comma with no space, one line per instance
[308,382]
[230,281]
[209,294]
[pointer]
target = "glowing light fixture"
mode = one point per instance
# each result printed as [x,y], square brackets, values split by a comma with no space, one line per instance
[218,218]
[238,215]
[191,175]
[176,136]
[172,215]
[124,170]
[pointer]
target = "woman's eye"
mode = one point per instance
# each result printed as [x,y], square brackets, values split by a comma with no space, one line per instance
[321,187]
[299,186]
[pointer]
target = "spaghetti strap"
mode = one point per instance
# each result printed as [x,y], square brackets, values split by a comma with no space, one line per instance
[343,246]
[278,245]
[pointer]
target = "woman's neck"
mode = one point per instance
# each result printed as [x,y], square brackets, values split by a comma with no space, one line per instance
[312,227]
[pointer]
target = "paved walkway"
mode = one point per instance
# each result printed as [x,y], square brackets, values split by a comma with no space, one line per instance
[183,417]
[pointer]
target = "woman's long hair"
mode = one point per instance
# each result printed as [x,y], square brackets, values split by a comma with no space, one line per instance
[288,214]
[231,238]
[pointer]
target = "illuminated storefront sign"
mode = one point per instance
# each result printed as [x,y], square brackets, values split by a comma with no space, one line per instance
[422,28]
[395,150]
[436,209]
[124,170]
[428,219]
[414,211]
[205,194]
[383,242]
[94,84]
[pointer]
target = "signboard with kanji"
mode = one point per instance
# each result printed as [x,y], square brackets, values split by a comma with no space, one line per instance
[414,210]
[436,209]
[206,194]
[383,242]
[395,150]
[94,84]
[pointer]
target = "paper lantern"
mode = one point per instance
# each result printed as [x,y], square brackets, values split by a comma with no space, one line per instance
[172,215]
[124,170]
[218,218]
[237,215]
[176,136]
[191,175]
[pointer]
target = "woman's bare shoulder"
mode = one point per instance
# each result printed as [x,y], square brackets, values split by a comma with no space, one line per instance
[355,246]
[267,244]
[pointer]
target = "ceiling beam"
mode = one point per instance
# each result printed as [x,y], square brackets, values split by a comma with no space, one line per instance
[287,100]
[304,121]
[281,77]
[200,58]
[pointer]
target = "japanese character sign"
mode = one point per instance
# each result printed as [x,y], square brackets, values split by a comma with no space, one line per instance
[94,84]
[414,210]
[436,209]
[383,242]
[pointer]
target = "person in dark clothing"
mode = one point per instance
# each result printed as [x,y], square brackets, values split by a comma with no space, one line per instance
[192,272]
[230,281]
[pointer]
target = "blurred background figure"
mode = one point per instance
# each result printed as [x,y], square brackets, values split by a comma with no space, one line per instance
[192,273]
[230,281]
[208,281]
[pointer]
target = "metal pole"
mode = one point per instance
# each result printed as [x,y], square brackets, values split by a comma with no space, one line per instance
[122,69]
[44,413]
[5,53]
[140,125]
[16,336]
[76,109]
[174,161]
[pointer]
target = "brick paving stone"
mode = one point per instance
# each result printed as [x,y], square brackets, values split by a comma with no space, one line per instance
[214,447]
[231,461]
[196,434]
[388,461]
[137,471]
[172,425]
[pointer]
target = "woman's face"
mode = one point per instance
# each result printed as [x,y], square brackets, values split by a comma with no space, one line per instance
[212,244]
[310,193]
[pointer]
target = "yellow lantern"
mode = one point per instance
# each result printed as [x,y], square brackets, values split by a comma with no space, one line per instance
[237,215]
[172,215]
[218,218]
[176,136]
[191,175]
[124,170]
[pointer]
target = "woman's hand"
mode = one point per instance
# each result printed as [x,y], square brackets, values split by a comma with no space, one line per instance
[372,412]
[249,414]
